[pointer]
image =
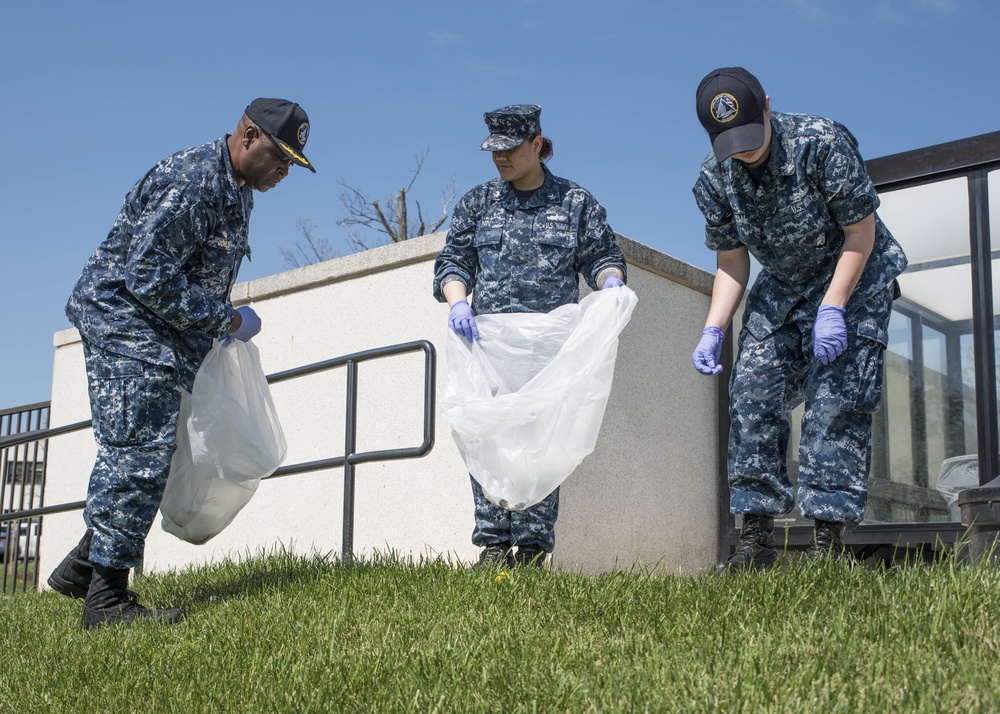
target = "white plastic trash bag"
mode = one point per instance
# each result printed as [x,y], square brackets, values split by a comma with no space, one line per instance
[228,439]
[957,474]
[526,401]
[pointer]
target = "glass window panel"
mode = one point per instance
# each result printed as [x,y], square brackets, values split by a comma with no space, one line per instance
[930,221]
[927,412]
[993,186]
[896,399]
[995,272]
[936,395]
[944,293]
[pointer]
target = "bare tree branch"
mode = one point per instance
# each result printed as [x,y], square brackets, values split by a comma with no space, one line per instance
[315,249]
[386,224]
[419,159]
[401,214]
[389,218]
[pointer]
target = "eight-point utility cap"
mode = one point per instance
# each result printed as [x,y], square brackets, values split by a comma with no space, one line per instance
[285,122]
[730,105]
[511,126]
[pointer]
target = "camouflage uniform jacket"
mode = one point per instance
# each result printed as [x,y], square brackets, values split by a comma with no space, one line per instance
[518,258]
[157,289]
[815,183]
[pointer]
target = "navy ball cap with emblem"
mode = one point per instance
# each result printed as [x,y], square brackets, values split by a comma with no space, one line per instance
[511,126]
[285,122]
[730,105]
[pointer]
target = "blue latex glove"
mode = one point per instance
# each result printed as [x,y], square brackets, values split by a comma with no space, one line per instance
[706,354]
[462,322]
[613,282]
[249,327]
[829,333]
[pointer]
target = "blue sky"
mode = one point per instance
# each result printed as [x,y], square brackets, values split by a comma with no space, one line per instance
[94,94]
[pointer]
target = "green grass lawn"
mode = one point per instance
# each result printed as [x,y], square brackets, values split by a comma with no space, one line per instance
[285,633]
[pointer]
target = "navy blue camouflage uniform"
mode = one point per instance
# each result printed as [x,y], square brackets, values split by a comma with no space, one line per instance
[149,303]
[815,182]
[516,258]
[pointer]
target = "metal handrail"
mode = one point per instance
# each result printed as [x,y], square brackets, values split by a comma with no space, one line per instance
[348,460]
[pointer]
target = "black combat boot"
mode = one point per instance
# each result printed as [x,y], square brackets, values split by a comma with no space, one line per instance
[529,555]
[828,541]
[756,551]
[110,602]
[496,556]
[72,576]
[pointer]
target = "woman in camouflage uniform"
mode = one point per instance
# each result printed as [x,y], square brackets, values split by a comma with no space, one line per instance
[792,190]
[518,244]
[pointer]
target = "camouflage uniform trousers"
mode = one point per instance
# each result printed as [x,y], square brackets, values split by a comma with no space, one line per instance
[134,406]
[534,526]
[774,375]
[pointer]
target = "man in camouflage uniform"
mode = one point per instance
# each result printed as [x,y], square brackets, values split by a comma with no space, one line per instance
[148,306]
[793,191]
[518,243]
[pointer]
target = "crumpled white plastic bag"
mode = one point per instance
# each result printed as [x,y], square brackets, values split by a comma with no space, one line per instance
[525,403]
[228,439]
[955,475]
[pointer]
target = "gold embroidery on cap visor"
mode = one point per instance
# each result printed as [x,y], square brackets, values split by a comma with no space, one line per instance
[724,107]
[294,154]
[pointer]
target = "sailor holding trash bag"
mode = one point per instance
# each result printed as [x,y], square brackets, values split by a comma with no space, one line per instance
[518,244]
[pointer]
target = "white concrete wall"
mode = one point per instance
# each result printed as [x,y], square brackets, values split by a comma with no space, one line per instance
[647,496]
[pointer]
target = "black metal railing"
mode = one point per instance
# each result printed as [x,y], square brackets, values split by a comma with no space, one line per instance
[348,460]
[22,486]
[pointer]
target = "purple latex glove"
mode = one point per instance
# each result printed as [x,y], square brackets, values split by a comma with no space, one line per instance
[706,354]
[249,327]
[829,333]
[613,282]
[462,322]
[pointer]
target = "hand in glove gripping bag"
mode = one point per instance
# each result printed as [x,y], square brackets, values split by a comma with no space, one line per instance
[462,322]
[249,324]
[228,439]
[526,402]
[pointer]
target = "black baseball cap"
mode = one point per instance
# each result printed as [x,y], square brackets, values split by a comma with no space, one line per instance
[285,122]
[730,104]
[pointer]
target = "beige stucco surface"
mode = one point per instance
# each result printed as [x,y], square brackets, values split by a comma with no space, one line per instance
[647,496]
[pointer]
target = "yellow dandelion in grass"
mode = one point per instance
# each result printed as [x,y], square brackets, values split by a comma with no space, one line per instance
[501,576]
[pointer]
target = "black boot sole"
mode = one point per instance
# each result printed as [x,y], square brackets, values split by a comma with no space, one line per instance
[67,588]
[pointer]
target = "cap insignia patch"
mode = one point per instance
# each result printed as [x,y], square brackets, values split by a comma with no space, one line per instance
[724,107]
[303,133]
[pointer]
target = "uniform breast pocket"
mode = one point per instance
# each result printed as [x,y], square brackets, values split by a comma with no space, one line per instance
[213,265]
[218,250]
[557,248]
[489,235]
[800,226]
[489,242]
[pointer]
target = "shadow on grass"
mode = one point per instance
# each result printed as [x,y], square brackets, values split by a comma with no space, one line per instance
[271,570]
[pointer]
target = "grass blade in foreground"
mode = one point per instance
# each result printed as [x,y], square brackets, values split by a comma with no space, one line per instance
[286,633]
